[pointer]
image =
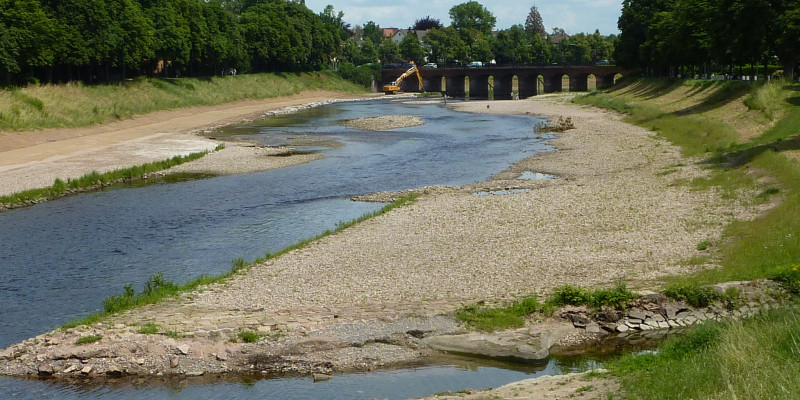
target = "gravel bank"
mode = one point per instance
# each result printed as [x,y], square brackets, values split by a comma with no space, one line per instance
[383,123]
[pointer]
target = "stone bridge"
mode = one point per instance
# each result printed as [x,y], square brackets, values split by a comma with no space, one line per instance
[532,80]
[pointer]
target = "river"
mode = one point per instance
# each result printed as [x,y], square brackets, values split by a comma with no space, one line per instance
[58,260]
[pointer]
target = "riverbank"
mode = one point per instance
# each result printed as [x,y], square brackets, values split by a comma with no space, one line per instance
[35,159]
[361,299]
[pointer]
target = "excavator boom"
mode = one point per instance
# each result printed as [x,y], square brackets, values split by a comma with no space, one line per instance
[394,87]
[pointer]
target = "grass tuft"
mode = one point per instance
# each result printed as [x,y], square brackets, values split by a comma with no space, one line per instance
[88,339]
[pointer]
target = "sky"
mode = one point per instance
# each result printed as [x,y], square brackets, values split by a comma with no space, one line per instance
[574,16]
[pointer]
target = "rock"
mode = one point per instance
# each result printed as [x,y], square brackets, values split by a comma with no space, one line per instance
[623,328]
[86,370]
[593,327]
[321,377]
[195,373]
[515,344]
[70,369]
[7,354]
[633,314]
[221,357]
[174,362]
[184,349]
[45,369]
[670,311]
[114,371]
[139,361]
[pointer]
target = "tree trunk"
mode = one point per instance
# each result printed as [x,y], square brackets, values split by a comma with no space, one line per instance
[788,67]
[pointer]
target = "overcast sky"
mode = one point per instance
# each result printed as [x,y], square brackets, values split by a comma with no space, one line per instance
[573,16]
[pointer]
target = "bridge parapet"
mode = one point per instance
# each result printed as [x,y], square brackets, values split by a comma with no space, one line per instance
[532,80]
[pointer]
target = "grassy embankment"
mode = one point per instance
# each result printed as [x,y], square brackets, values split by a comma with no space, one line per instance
[747,135]
[75,105]
[157,289]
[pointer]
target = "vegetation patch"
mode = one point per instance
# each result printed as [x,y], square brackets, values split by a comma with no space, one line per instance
[490,319]
[249,336]
[617,297]
[148,329]
[753,358]
[88,339]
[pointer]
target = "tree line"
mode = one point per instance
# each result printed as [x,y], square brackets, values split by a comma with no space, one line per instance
[89,40]
[106,40]
[471,37]
[667,37]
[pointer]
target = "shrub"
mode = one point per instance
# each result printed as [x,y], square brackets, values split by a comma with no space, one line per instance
[149,329]
[695,296]
[249,336]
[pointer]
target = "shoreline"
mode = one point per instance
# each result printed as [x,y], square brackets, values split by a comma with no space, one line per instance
[608,215]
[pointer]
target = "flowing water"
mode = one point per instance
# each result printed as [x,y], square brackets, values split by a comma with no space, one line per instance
[58,260]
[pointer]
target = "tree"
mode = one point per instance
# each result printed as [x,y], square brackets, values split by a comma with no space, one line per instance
[446,44]
[787,32]
[534,24]
[388,51]
[472,17]
[373,32]
[411,49]
[424,24]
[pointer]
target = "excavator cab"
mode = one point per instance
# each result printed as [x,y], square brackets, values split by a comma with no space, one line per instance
[394,87]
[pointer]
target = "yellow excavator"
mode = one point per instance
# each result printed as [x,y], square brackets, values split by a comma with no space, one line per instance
[394,87]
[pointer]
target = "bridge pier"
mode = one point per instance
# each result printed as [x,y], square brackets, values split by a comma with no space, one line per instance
[479,87]
[579,83]
[604,81]
[503,86]
[455,87]
[528,85]
[552,83]
[433,84]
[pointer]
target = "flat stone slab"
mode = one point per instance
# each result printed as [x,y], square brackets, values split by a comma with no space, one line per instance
[521,343]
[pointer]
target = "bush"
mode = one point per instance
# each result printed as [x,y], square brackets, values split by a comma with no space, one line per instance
[695,296]
[362,75]
[88,339]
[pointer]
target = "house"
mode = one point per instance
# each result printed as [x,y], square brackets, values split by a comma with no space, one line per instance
[400,34]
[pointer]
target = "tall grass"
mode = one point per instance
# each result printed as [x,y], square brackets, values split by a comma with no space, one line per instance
[156,288]
[72,105]
[755,358]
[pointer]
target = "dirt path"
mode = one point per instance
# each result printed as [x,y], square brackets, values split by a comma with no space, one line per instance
[35,159]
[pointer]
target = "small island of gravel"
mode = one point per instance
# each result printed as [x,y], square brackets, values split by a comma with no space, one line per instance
[383,123]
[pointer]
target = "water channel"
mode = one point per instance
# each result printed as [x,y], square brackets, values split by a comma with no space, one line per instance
[58,260]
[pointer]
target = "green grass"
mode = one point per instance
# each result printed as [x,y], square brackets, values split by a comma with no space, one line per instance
[88,339]
[156,289]
[492,318]
[148,329]
[249,336]
[754,358]
[73,105]
[95,180]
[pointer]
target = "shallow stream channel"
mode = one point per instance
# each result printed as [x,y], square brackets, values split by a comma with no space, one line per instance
[60,259]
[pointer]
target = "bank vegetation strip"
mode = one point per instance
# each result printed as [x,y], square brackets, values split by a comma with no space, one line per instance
[756,357]
[94,180]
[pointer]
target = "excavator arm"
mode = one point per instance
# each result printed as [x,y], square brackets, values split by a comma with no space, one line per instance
[394,87]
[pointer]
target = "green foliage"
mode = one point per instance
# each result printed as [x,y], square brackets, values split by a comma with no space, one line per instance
[88,339]
[704,245]
[755,358]
[700,296]
[617,297]
[490,319]
[363,75]
[789,277]
[249,336]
